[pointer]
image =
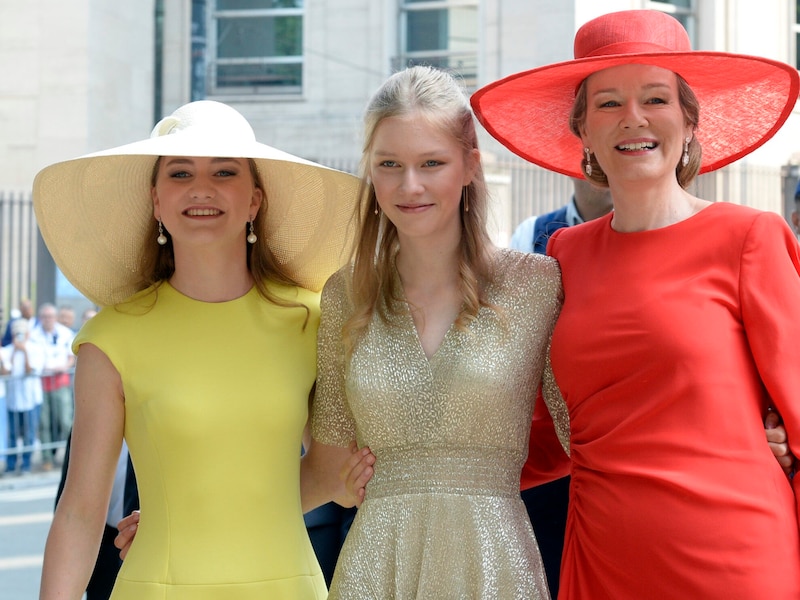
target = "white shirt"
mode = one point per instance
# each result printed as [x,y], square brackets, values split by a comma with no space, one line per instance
[57,345]
[23,392]
[115,504]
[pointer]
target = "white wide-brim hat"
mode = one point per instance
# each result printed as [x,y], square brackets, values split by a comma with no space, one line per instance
[94,212]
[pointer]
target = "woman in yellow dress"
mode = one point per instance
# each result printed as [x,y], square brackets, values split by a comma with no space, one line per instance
[207,250]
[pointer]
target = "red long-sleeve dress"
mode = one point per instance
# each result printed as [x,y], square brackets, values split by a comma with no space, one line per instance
[670,346]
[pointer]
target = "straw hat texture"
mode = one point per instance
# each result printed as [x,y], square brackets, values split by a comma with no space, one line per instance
[743,99]
[94,212]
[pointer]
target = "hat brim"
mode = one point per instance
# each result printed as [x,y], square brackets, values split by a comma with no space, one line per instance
[95,211]
[744,100]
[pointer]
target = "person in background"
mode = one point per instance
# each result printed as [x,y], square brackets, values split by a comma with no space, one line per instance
[679,326]
[588,202]
[25,311]
[3,410]
[547,504]
[3,415]
[796,211]
[23,360]
[55,420]
[66,316]
[87,314]
[203,355]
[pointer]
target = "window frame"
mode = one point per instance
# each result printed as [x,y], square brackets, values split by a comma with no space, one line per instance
[214,62]
[463,63]
[686,15]
[795,34]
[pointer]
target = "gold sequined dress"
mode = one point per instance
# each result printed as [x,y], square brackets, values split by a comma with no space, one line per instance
[442,517]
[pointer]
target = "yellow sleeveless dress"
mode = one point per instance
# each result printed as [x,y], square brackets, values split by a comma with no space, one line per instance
[216,398]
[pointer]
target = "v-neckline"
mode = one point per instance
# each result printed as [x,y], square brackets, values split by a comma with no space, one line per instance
[432,358]
[413,326]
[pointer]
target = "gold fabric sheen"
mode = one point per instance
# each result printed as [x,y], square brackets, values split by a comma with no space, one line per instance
[442,517]
[555,403]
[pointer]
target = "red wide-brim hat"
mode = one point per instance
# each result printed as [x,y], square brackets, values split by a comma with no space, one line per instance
[743,99]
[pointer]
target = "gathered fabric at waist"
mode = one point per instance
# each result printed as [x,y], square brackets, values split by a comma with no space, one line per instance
[467,471]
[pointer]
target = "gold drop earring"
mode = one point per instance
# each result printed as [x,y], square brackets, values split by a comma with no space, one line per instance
[377,209]
[685,158]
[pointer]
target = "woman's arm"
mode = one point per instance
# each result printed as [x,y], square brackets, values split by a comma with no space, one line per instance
[326,466]
[770,293]
[74,537]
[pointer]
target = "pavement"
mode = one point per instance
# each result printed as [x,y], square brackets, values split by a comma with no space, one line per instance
[26,511]
[29,480]
[37,477]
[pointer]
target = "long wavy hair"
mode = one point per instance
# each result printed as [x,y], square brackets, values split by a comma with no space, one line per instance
[158,262]
[690,107]
[439,97]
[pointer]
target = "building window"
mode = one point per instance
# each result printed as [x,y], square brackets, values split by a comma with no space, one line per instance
[796,36]
[684,11]
[199,45]
[255,47]
[440,33]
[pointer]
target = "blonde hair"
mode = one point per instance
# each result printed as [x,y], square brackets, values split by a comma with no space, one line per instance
[437,96]
[158,262]
[691,112]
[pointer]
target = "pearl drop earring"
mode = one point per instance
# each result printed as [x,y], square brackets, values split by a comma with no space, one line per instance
[161,239]
[251,237]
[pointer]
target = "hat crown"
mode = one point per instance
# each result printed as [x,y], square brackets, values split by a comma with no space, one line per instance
[631,32]
[206,118]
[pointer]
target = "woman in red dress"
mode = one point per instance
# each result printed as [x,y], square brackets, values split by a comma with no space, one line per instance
[679,313]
